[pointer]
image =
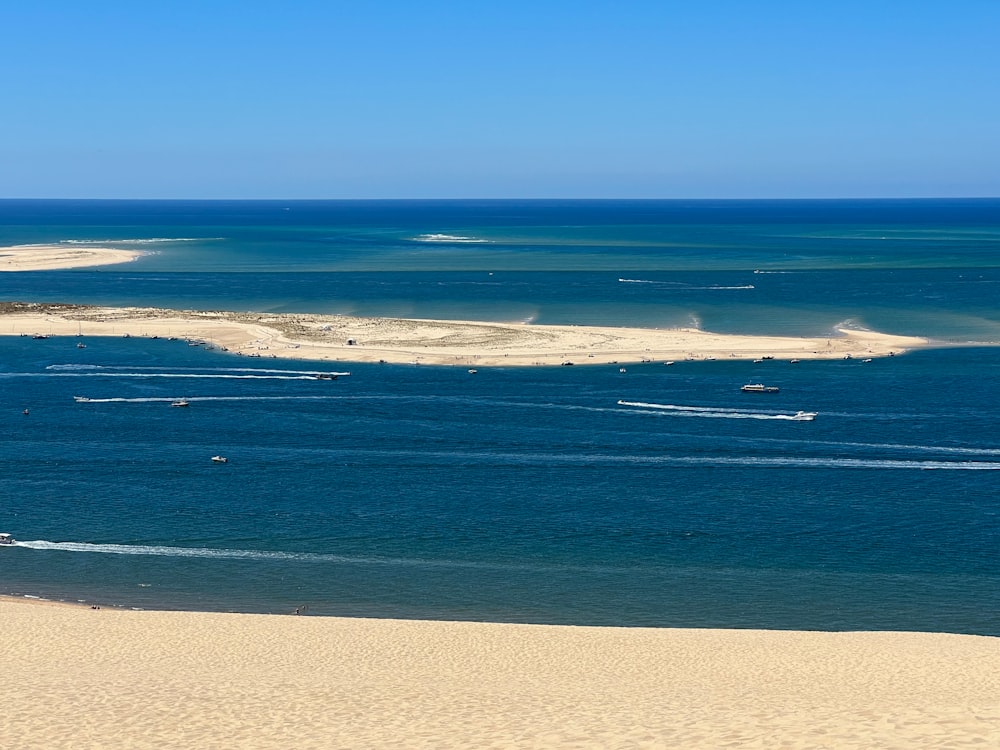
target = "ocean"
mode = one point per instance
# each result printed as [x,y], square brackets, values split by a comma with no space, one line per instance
[660,496]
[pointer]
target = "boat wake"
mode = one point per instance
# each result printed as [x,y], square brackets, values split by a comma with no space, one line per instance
[195,375]
[127,371]
[307,557]
[456,238]
[161,399]
[267,370]
[716,412]
[163,551]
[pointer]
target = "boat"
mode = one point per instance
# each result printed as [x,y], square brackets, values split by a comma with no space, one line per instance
[473,371]
[759,388]
[81,399]
[81,345]
[220,459]
[804,416]
[180,402]
[7,539]
[325,376]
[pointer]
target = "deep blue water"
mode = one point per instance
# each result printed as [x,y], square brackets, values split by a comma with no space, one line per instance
[519,494]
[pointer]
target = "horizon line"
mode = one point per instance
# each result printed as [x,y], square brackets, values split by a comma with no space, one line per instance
[512,198]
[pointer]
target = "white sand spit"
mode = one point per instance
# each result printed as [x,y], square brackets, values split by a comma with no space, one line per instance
[81,678]
[450,342]
[58,256]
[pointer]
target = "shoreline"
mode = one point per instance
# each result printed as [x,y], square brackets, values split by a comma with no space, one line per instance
[57,257]
[79,677]
[341,338]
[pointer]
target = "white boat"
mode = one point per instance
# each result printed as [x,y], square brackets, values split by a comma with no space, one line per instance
[180,402]
[759,388]
[6,539]
[804,416]
[81,399]
[220,459]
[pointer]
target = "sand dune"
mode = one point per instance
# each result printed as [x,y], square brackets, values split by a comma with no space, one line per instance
[466,343]
[83,678]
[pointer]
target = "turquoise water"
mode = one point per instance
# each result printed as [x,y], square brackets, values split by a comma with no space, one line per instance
[518,494]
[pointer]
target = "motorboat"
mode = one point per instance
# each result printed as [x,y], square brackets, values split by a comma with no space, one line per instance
[804,416]
[759,388]
[180,402]
[220,459]
[81,399]
[7,539]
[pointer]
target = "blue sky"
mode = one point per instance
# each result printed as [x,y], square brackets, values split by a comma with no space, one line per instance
[499,99]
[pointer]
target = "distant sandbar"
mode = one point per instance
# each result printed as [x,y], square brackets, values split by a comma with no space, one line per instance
[58,256]
[439,342]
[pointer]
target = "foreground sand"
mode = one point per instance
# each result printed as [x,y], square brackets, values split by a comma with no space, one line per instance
[82,678]
[59,256]
[350,339]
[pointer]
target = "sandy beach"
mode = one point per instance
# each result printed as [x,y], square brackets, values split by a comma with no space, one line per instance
[441,342]
[83,678]
[60,256]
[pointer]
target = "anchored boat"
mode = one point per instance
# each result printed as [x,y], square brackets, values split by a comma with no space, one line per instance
[759,388]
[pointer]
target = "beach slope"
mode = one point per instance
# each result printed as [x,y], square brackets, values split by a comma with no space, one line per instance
[84,678]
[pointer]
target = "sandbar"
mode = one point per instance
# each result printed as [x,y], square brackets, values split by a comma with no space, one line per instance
[76,677]
[57,256]
[439,342]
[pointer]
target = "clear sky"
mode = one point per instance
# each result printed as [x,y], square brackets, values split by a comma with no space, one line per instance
[509,98]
